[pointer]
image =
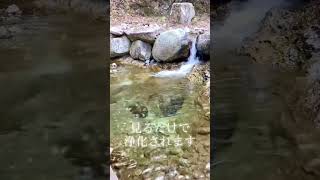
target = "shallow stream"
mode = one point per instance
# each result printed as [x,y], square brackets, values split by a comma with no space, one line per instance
[165,111]
[52,97]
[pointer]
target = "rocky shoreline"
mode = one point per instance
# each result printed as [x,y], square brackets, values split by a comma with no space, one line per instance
[289,39]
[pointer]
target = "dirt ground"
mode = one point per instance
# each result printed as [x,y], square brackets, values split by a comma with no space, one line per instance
[119,16]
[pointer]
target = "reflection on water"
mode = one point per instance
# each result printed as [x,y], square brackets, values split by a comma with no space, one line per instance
[253,126]
[165,112]
[52,99]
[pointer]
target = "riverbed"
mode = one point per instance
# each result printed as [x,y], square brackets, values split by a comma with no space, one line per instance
[162,113]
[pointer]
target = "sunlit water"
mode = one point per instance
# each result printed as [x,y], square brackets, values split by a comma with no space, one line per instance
[168,101]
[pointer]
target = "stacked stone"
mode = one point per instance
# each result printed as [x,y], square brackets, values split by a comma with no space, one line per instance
[152,42]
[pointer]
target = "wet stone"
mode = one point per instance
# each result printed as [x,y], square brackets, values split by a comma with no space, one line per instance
[139,110]
[169,105]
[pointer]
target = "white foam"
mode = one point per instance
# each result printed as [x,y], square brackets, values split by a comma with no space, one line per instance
[185,68]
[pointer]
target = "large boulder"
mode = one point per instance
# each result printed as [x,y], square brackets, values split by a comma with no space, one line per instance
[140,50]
[147,33]
[119,46]
[182,13]
[203,45]
[171,46]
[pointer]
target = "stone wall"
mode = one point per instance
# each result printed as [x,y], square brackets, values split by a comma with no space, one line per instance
[153,43]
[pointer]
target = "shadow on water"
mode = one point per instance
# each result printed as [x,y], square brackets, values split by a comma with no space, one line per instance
[52,97]
[250,140]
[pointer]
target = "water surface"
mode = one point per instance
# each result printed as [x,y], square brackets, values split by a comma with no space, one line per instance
[52,123]
[167,101]
[251,117]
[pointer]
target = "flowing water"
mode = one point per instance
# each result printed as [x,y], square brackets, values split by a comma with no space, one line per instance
[250,140]
[185,68]
[154,120]
[52,123]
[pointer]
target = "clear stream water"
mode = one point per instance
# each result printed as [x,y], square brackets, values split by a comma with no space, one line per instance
[142,99]
[52,123]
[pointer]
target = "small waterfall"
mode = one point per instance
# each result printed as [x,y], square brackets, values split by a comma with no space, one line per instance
[185,68]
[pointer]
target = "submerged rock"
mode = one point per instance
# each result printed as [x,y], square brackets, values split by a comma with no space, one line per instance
[119,46]
[182,13]
[171,46]
[138,110]
[140,50]
[170,104]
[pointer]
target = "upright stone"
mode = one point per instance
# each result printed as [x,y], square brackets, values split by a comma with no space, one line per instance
[182,13]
